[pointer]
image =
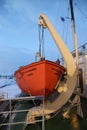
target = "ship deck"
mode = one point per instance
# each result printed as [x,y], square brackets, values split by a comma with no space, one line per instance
[56,122]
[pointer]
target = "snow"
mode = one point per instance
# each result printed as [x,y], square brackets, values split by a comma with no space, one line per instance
[9,88]
[6,82]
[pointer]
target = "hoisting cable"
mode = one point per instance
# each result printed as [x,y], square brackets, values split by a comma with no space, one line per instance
[41,42]
[43,51]
[39,28]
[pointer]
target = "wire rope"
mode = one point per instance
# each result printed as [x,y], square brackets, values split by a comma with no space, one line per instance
[81,11]
[39,28]
[41,41]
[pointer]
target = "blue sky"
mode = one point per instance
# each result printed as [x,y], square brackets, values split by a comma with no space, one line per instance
[19,37]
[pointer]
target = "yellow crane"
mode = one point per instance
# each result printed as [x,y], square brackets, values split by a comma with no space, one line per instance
[65,89]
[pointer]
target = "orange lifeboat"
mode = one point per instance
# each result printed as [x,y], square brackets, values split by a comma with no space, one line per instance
[39,78]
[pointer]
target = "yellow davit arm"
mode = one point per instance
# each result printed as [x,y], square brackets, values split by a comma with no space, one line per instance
[70,66]
[51,107]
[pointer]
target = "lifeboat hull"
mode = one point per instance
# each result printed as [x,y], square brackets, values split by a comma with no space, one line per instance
[39,78]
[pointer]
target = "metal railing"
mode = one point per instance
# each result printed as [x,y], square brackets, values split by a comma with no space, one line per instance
[19,107]
[3,95]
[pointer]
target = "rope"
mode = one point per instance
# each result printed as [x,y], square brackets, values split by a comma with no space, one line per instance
[67,25]
[39,28]
[43,51]
[41,41]
[81,11]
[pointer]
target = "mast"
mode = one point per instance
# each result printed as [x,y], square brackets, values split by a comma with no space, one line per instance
[74,31]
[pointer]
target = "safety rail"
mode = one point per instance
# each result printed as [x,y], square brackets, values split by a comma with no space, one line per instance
[16,108]
[3,95]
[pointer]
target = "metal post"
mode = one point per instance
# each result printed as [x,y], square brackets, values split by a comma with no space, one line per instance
[10,114]
[43,118]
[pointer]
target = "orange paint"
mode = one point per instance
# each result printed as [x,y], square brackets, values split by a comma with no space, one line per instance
[39,78]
